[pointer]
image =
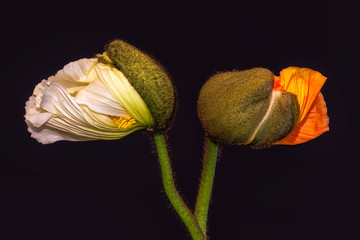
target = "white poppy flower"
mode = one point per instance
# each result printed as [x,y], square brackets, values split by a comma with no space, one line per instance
[121,91]
[86,100]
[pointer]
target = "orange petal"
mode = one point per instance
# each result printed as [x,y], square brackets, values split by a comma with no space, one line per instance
[315,123]
[304,83]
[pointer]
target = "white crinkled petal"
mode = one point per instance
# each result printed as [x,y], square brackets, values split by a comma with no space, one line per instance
[99,99]
[38,87]
[78,71]
[76,75]
[39,119]
[124,93]
[69,121]
[76,103]
[36,119]
[34,115]
[46,135]
[57,101]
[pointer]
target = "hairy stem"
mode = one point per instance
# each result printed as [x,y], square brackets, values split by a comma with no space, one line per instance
[170,189]
[206,183]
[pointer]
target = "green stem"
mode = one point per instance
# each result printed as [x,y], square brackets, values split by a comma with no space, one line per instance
[170,189]
[206,183]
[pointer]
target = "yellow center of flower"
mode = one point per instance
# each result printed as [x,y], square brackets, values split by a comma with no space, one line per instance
[123,122]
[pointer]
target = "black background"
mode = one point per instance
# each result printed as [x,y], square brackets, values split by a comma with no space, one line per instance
[112,189]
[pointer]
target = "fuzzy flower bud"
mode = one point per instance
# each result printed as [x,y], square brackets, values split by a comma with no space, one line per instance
[249,108]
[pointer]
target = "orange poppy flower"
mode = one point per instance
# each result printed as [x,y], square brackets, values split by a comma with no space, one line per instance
[306,85]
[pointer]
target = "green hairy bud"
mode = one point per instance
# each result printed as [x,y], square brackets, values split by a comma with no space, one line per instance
[240,107]
[148,77]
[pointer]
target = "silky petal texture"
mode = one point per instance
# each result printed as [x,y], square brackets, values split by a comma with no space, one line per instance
[315,123]
[76,75]
[124,93]
[46,135]
[78,104]
[70,121]
[36,117]
[99,99]
[304,83]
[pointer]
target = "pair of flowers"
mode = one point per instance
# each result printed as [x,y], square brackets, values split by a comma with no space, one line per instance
[124,90]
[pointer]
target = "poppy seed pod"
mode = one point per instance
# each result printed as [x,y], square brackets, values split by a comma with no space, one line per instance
[240,107]
[148,77]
